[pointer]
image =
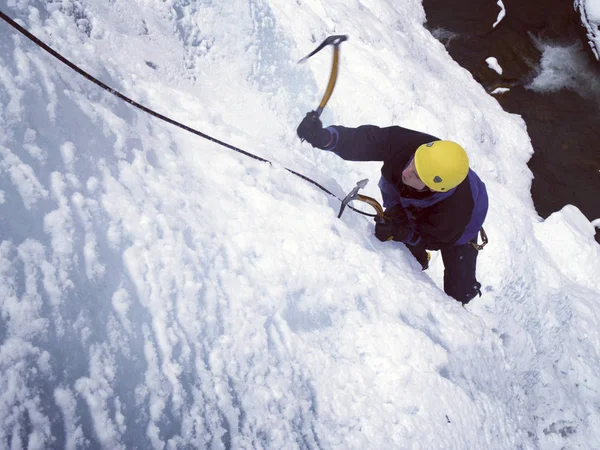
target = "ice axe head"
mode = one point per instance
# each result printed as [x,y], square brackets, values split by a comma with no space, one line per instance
[361,184]
[354,195]
[331,40]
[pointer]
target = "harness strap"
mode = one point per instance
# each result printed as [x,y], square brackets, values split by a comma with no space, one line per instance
[484,240]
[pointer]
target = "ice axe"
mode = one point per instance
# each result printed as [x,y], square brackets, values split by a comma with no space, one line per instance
[354,195]
[335,41]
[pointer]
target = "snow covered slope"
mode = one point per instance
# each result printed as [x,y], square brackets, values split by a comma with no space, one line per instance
[160,291]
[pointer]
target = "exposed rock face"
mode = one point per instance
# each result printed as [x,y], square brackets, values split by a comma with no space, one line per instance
[564,124]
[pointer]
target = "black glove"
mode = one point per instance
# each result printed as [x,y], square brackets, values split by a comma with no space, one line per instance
[386,230]
[311,130]
[394,226]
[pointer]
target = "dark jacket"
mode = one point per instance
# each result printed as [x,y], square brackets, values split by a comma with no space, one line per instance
[437,219]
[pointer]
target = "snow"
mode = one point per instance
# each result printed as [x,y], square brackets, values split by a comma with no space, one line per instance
[566,67]
[501,14]
[493,64]
[592,9]
[500,90]
[589,10]
[160,291]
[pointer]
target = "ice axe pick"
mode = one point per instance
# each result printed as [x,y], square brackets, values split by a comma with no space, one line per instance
[354,195]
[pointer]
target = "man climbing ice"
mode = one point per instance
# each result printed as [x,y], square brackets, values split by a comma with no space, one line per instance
[433,200]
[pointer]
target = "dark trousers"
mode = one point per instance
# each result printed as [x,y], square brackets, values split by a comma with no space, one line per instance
[460,263]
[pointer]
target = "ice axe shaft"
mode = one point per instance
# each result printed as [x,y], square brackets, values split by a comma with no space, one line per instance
[335,41]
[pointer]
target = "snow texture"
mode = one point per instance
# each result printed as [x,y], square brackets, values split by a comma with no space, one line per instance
[589,10]
[160,291]
[566,67]
[493,64]
[501,14]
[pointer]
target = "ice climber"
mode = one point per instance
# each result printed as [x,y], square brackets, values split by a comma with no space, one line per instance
[432,199]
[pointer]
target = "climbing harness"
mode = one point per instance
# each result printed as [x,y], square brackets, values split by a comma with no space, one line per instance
[332,40]
[484,240]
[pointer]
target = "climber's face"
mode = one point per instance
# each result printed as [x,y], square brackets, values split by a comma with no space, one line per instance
[411,178]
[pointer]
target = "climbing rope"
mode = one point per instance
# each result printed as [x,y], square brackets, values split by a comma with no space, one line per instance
[118,94]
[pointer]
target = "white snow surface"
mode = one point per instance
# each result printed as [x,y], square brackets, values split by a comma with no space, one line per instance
[501,14]
[589,10]
[592,8]
[158,290]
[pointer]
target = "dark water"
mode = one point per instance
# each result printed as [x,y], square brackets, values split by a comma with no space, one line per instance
[562,113]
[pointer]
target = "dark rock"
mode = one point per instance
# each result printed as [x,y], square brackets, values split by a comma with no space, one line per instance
[562,124]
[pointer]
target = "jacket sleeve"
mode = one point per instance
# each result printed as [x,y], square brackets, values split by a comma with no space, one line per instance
[372,143]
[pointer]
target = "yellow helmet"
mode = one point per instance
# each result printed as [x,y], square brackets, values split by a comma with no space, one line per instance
[441,165]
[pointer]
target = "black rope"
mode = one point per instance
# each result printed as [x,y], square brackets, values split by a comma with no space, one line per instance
[116,93]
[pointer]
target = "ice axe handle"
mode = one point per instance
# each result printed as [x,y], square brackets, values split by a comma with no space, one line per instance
[332,81]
